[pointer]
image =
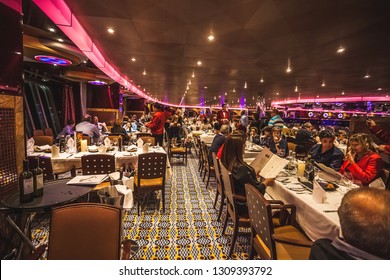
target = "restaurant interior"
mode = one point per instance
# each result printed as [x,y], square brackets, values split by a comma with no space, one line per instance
[320,62]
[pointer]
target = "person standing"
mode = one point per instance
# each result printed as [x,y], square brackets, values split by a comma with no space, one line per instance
[156,125]
[223,115]
[244,121]
[382,134]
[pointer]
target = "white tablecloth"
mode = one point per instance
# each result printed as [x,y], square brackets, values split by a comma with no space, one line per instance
[66,160]
[310,214]
[207,138]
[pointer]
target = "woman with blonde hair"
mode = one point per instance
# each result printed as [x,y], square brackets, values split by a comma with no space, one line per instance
[361,161]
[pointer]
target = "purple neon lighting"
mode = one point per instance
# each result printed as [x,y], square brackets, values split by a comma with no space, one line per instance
[97,83]
[53,60]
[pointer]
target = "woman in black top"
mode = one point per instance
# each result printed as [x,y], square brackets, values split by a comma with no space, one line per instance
[242,173]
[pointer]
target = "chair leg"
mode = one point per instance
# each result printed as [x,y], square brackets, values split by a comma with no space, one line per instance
[221,206]
[163,199]
[234,238]
[252,246]
[208,179]
[216,199]
[225,222]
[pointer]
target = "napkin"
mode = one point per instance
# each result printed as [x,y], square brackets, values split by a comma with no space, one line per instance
[107,142]
[93,148]
[132,148]
[127,191]
[319,194]
[71,144]
[140,143]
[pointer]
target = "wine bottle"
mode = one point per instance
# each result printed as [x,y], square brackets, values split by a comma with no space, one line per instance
[37,178]
[26,185]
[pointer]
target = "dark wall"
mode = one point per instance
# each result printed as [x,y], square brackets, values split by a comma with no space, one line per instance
[99,96]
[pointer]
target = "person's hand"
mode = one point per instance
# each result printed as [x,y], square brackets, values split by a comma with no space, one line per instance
[350,157]
[381,148]
[269,181]
[370,123]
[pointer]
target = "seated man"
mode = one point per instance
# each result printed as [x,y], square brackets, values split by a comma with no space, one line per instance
[364,219]
[219,139]
[303,136]
[88,128]
[326,152]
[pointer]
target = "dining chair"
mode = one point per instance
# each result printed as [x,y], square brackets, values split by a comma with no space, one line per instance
[291,146]
[97,164]
[48,131]
[38,132]
[47,168]
[208,167]
[273,243]
[42,140]
[177,149]
[116,138]
[142,134]
[87,231]
[148,139]
[150,176]
[239,218]
[220,190]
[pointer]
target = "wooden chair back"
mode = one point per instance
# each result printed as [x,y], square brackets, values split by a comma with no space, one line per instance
[97,164]
[43,140]
[85,231]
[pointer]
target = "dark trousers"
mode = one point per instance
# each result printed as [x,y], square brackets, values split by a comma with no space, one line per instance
[158,138]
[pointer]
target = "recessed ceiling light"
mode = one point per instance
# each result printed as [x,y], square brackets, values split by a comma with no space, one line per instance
[144,73]
[341,49]
[84,61]
[60,40]
[288,69]
[205,87]
[367,76]
[323,83]
[245,85]
[51,29]
[133,59]
[199,62]
[261,80]
[211,37]
[379,88]
[193,74]
[343,93]
[296,89]
[110,30]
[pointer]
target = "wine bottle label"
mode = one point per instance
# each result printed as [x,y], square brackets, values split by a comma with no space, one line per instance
[39,181]
[28,186]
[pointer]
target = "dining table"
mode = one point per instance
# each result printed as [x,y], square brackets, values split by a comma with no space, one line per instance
[125,158]
[55,193]
[317,219]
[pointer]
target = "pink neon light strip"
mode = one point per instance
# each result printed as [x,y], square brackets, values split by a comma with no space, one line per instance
[13,4]
[331,100]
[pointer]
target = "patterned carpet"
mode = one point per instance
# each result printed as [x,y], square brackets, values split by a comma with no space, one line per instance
[187,230]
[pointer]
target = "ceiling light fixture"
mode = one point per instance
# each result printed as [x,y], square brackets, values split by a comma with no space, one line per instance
[367,75]
[343,93]
[51,29]
[379,88]
[199,63]
[133,59]
[211,37]
[288,70]
[189,82]
[110,30]
[234,89]
[341,49]
[296,89]
[225,92]
[193,74]
[261,80]
[245,85]
[144,73]
[60,40]
[323,83]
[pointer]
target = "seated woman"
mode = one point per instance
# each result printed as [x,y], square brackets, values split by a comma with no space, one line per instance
[118,129]
[254,136]
[242,173]
[364,164]
[278,145]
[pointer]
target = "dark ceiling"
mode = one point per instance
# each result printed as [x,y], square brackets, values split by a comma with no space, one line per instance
[253,39]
